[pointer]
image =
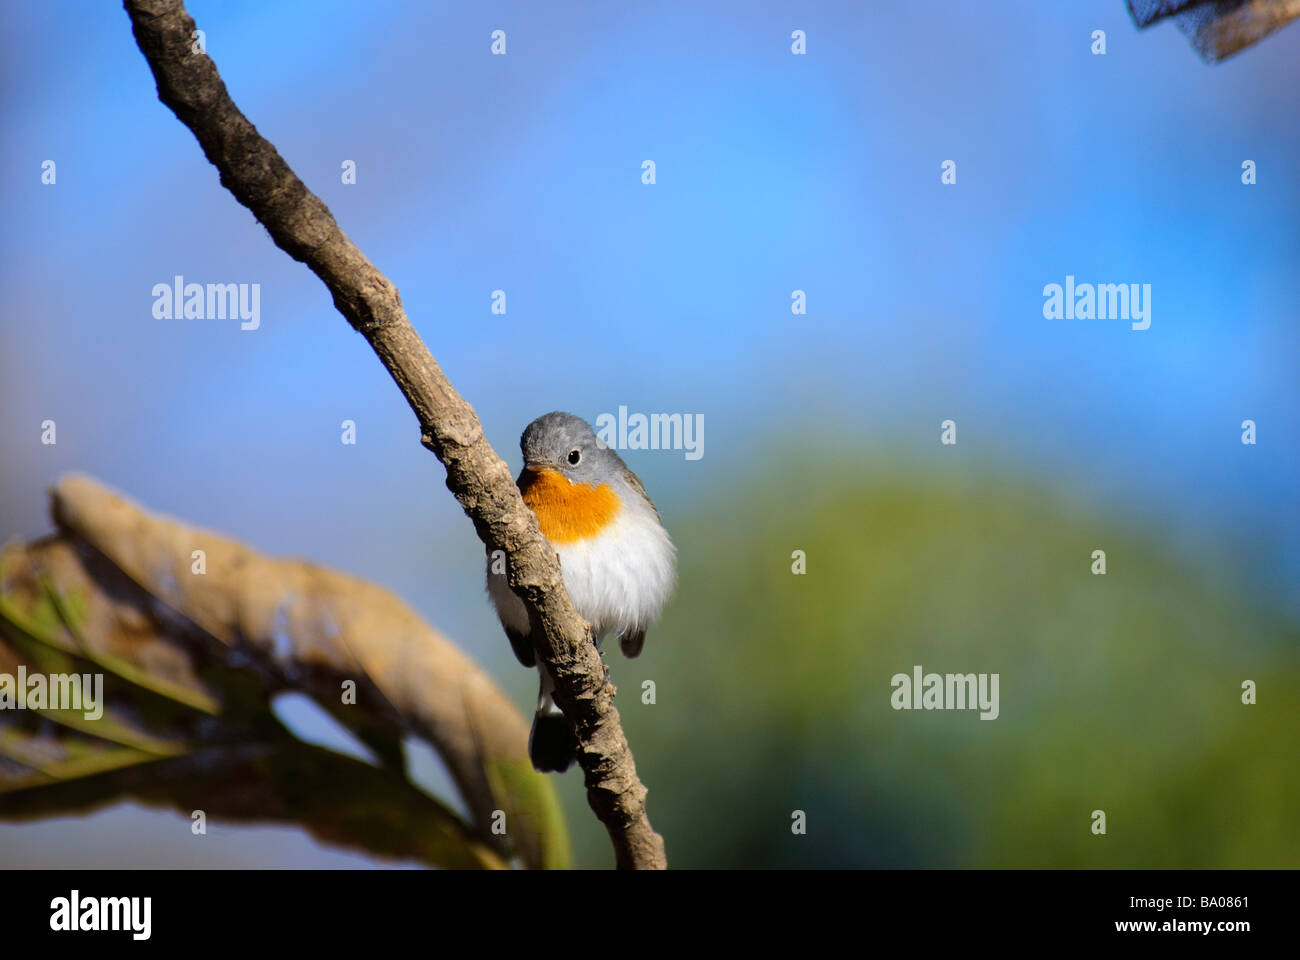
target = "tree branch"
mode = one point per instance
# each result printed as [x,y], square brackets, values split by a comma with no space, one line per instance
[302,226]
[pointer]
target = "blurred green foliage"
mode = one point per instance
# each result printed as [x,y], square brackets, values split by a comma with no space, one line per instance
[1119,692]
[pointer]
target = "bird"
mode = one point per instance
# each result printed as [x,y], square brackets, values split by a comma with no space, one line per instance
[617,560]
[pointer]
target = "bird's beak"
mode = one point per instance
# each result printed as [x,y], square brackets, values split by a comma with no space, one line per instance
[536,467]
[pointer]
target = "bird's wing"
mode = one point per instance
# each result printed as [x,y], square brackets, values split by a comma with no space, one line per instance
[635,483]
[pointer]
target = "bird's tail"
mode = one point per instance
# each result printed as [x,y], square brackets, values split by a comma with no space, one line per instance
[551,745]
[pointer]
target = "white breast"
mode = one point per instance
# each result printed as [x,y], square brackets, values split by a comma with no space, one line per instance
[622,578]
[618,580]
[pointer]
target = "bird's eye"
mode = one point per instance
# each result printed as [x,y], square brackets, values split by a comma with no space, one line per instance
[575,456]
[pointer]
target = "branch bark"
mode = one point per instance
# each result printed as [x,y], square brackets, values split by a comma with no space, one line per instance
[302,225]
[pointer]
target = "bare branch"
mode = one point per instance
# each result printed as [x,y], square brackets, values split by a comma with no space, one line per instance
[302,226]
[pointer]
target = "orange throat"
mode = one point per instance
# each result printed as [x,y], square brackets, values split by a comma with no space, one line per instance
[568,512]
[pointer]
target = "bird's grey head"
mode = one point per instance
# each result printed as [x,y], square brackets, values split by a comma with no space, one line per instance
[567,444]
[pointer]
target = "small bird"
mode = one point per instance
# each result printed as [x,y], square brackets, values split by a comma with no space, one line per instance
[619,565]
